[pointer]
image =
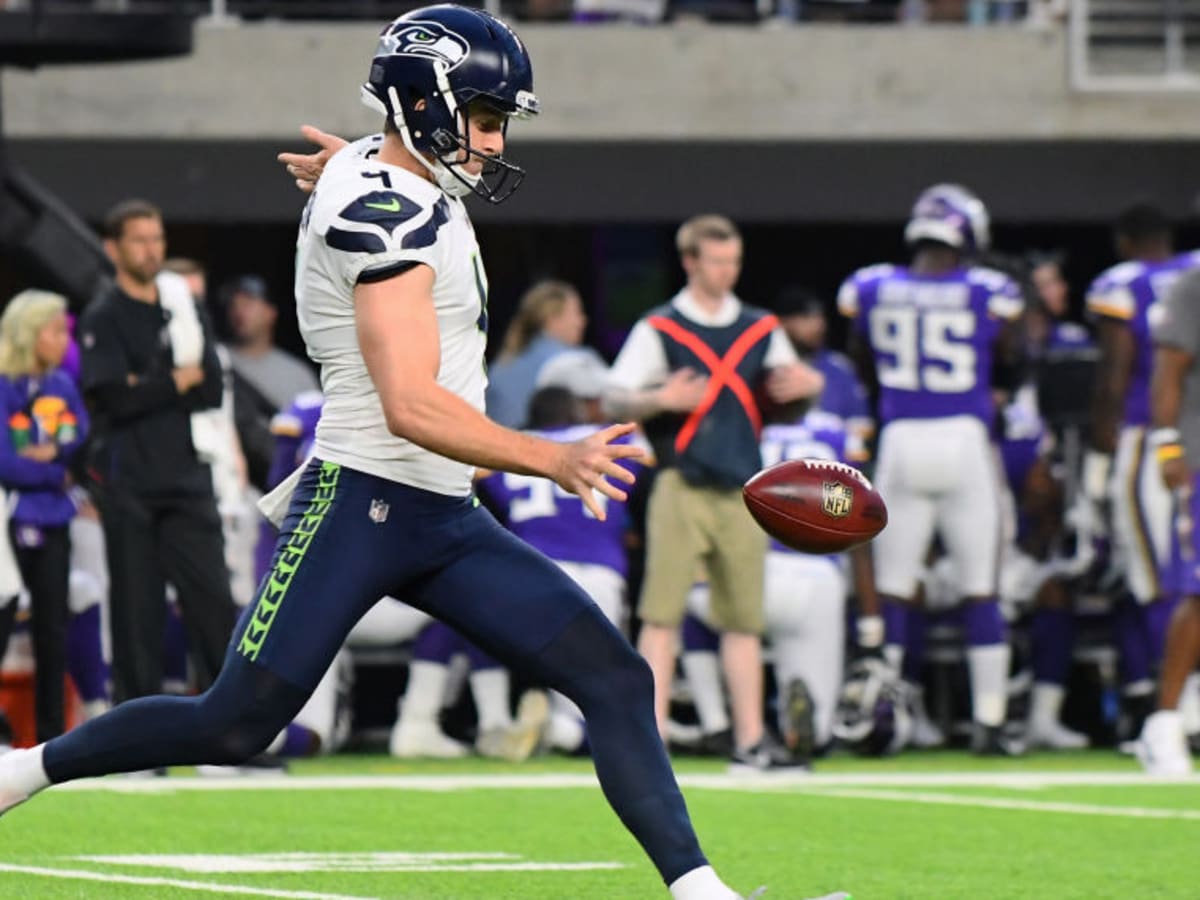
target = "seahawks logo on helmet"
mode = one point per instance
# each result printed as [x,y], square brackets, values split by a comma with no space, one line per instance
[428,39]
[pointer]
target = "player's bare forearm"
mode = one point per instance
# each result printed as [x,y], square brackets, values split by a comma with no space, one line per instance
[441,421]
[1171,366]
[1112,383]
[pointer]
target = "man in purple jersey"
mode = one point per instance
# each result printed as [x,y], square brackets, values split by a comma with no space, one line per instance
[935,336]
[1123,300]
[1162,748]
[592,551]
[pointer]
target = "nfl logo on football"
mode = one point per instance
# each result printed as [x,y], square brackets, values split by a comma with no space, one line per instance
[836,499]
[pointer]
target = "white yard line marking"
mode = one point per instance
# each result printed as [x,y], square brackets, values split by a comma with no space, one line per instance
[210,887]
[548,781]
[262,863]
[1085,809]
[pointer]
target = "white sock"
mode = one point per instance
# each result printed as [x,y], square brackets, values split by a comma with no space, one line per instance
[1046,704]
[702,884]
[703,672]
[423,696]
[894,654]
[1189,704]
[23,774]
[988,667]
[490,688]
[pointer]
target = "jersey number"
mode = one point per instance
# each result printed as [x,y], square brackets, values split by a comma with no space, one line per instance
[928,348]
[542,499]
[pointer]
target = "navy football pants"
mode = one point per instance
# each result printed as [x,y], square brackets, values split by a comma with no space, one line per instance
[350,538]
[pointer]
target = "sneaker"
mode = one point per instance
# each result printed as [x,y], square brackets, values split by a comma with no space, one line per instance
[424,740]
[1054,736]
[799,729]
[990,740]
[517,742]
[765,756]
[1162,748]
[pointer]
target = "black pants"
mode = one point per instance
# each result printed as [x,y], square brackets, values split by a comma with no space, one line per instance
[150,541]
[46,570]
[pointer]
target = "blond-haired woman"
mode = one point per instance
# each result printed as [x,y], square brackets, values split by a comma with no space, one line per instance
[45,424]
[549,319]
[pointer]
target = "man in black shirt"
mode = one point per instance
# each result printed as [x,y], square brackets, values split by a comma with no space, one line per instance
[151,481]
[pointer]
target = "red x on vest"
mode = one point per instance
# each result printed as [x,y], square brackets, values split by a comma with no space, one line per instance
[722,371]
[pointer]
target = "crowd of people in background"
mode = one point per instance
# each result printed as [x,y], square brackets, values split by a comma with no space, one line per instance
[1016,600]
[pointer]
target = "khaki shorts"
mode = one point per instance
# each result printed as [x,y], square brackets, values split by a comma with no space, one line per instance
[693,530]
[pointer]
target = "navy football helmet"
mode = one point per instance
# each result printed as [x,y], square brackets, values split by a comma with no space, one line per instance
[952,215]
[430,65]
[873,715]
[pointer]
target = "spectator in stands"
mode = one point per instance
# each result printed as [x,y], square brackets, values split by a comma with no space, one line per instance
[549,320]
[266,379]
[706,442]
[149,364]
[45,423]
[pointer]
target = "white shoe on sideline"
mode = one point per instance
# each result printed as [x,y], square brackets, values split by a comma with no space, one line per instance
[1162,748]
[424,740]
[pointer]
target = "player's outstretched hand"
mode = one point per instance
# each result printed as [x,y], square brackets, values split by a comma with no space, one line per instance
[585,466]
[306,168]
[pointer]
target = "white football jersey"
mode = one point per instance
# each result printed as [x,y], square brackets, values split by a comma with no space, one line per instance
[367,220]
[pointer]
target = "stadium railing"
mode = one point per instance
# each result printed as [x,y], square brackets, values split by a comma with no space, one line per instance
[1134,45]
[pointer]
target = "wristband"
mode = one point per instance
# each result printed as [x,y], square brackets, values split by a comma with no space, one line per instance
[1159,436]
[1168,452]
[870,631]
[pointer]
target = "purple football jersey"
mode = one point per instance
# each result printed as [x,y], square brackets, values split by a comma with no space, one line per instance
[1127,293]
[557,523]
[819,435]
[932,337]
[295,430]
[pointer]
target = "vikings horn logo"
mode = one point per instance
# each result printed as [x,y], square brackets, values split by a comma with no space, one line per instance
[429,39]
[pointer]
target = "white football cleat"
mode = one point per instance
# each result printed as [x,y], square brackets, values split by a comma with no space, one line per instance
[1162,748]
[1054,736]
[411,740]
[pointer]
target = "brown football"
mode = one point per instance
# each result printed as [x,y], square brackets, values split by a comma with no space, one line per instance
[815,505]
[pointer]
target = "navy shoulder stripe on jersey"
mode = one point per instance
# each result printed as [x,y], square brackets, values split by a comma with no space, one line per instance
[354,241]
[424,236]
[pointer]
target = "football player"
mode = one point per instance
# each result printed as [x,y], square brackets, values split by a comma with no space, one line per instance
[592,551]
[933,335]
[1175,419]
[392,302]
[1123,300]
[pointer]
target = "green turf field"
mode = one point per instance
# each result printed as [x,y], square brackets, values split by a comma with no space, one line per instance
[922,826]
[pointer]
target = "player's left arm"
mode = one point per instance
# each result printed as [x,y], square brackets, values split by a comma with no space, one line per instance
[400,343]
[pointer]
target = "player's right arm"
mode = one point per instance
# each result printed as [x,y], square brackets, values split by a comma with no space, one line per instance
[398,335]
[1113,305]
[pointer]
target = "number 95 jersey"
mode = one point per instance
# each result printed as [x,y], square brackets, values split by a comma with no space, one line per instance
[932,336]
[368,221]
